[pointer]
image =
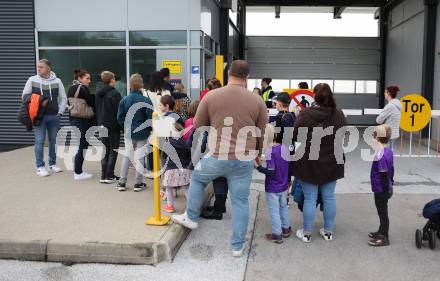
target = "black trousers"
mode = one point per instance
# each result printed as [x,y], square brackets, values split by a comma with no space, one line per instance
[221,194]
[83,125]
[381,201]
[108,163]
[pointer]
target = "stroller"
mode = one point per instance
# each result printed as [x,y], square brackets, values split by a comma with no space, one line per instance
[431,211]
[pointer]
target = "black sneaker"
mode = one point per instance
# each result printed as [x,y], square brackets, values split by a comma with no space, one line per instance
[114,178]
[139,186]
[286,232]
[121,186]
[211,215]
[274,238]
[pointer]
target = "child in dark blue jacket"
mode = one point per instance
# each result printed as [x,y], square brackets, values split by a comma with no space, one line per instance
[176,156]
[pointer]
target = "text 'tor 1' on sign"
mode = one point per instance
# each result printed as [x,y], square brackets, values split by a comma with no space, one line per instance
[416,113]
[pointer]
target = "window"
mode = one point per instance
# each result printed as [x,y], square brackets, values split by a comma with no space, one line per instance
[77,38]
[278,85]
[196,38]
[294,83]
[95,61]
[316,82]
[344,86]
[209,43]
[366,87]
[143,62]
[158,38]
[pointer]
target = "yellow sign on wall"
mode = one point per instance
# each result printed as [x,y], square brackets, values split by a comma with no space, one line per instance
[175,66]
[416,113]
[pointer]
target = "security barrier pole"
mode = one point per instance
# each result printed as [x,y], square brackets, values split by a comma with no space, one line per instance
[157,218]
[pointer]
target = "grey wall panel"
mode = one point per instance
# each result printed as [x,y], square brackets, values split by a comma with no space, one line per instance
[81,15]
[314,71]
[164,14]
[210,18]
[405,47]
[358,102]
[314,57]
[102,15]
[17,63]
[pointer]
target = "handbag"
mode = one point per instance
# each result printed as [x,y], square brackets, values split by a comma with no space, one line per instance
[79,108]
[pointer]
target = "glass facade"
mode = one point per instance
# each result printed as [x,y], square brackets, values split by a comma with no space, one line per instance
[140,52]
[158,38]
[76,38]
[95,61]
[143,62]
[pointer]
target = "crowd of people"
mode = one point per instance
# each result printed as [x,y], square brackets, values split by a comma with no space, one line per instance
[227,159]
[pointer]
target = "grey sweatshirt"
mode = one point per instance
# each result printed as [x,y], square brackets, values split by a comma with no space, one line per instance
[390,115]
[51,88]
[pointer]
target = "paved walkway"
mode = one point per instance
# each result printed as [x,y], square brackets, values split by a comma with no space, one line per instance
[66,219]
[205,255]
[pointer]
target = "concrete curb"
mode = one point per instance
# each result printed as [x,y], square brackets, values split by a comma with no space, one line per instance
[99,252]
[23,250]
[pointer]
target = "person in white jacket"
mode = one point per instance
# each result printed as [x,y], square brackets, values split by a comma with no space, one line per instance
[155,90]
[48,85]
[391,113]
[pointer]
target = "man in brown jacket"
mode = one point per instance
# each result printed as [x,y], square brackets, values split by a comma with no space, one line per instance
[237,120]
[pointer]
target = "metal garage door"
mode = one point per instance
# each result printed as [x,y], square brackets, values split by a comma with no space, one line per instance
[320,58]
[17,63]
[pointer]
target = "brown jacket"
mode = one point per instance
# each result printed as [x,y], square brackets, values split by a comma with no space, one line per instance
[237,104]
[325,168]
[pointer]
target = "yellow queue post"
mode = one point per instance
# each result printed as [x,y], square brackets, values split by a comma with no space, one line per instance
[157,218]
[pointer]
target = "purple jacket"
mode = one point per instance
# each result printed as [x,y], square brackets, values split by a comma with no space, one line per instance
[277,169]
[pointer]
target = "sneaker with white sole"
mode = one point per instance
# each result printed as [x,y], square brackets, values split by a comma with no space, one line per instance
[55,169]
[306,238]
[82,176]
[238,253]
[42,172]
[121,186]
[185,221]
[328,236]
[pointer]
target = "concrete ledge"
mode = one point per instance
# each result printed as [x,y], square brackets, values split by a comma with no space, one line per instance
[99,251]
[23,250]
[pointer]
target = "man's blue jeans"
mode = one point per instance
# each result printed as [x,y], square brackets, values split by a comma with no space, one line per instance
[239,176]
[310,198]
[51,124]
[278,211]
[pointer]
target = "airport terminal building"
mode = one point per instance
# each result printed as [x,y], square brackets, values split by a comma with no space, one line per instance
[141,36]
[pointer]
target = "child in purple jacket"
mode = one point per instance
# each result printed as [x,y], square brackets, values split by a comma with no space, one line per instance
[382,180]
[276,185]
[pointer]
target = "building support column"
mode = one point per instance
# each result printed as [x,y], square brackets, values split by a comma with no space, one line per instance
[224,39]
[429,52]
[383,26]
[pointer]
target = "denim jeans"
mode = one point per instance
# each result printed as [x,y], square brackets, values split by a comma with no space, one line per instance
[329,200]
[51,124]
[136,149]
[111,143]
[83,125]
[239,176]
[278,211]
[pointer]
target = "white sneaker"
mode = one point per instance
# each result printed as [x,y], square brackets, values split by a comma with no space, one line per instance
[305,238]
[238,253]
[83,176]
[55,169]
[185,221]
[42,172]
[328,236]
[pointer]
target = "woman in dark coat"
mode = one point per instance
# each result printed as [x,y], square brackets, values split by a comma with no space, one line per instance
[321,165]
